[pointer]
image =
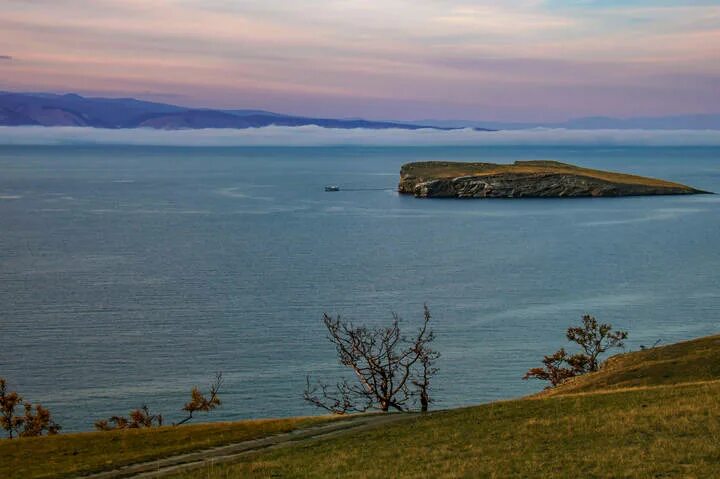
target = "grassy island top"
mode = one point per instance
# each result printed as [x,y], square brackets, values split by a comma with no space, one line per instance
[427,170]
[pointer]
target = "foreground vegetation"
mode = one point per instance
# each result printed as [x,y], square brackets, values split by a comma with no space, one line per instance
[391,370]
[664,432]
[696,361]
[70,455]
[32,422]
[653,413]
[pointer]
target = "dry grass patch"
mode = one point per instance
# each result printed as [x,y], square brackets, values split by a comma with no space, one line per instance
[653,413]
[69,455]
[689,361]
[662,432]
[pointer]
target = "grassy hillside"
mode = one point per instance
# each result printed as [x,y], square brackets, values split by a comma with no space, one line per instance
[668,432]
[690,361]
[69,455]
[653,413]
[443,169]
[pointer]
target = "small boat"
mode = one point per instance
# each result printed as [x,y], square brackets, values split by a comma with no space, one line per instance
[332,188]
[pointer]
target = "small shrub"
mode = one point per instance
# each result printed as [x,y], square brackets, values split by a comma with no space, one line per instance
[34,422]
[142,418]
[137,419]
[201,403]
[593,338]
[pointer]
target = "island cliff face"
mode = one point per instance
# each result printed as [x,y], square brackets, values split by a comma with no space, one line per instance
[526,179]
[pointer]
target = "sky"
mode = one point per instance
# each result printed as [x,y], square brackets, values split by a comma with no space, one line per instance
[510,60]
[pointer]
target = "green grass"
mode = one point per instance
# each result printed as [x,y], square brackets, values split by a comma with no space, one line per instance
[446,169]
[667,432]
[653,413]
[67,455]
[686,362]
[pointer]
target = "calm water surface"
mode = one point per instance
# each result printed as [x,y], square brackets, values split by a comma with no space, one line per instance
[130,274]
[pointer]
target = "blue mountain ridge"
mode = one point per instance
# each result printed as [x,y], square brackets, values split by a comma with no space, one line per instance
[46,109]
[49,109]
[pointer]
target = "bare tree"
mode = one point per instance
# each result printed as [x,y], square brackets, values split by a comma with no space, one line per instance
[32,423]
[341,400]
[425,372]
[200,403]
[384,363]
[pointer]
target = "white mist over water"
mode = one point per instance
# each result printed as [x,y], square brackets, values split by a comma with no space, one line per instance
[318,136]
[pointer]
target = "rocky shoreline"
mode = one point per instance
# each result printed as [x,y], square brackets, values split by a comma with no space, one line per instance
[526,179]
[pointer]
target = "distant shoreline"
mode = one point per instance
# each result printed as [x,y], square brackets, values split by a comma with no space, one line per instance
[527,179]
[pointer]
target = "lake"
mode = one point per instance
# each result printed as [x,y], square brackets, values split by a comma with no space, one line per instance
[130,274]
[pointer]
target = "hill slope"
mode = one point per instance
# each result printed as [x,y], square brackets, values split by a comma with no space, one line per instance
[687,362]
[72,455]
[653,413]
[648,414]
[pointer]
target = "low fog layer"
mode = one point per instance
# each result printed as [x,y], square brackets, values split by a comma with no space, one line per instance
[317,136]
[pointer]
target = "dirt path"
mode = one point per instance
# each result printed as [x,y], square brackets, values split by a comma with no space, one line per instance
[232,452]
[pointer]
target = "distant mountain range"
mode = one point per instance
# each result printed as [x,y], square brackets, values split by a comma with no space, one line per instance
[44,109]
[679,122]
[47,109]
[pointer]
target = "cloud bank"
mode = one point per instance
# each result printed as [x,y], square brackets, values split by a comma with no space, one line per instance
[317,136]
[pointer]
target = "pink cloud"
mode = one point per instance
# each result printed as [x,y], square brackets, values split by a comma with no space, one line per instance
[394,58]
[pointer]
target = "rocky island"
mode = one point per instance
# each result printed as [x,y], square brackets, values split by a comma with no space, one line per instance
[526,179]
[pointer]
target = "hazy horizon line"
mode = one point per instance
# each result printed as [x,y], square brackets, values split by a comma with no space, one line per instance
[312,135]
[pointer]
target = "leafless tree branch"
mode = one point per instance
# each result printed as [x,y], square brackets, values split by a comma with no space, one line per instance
[384,363]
